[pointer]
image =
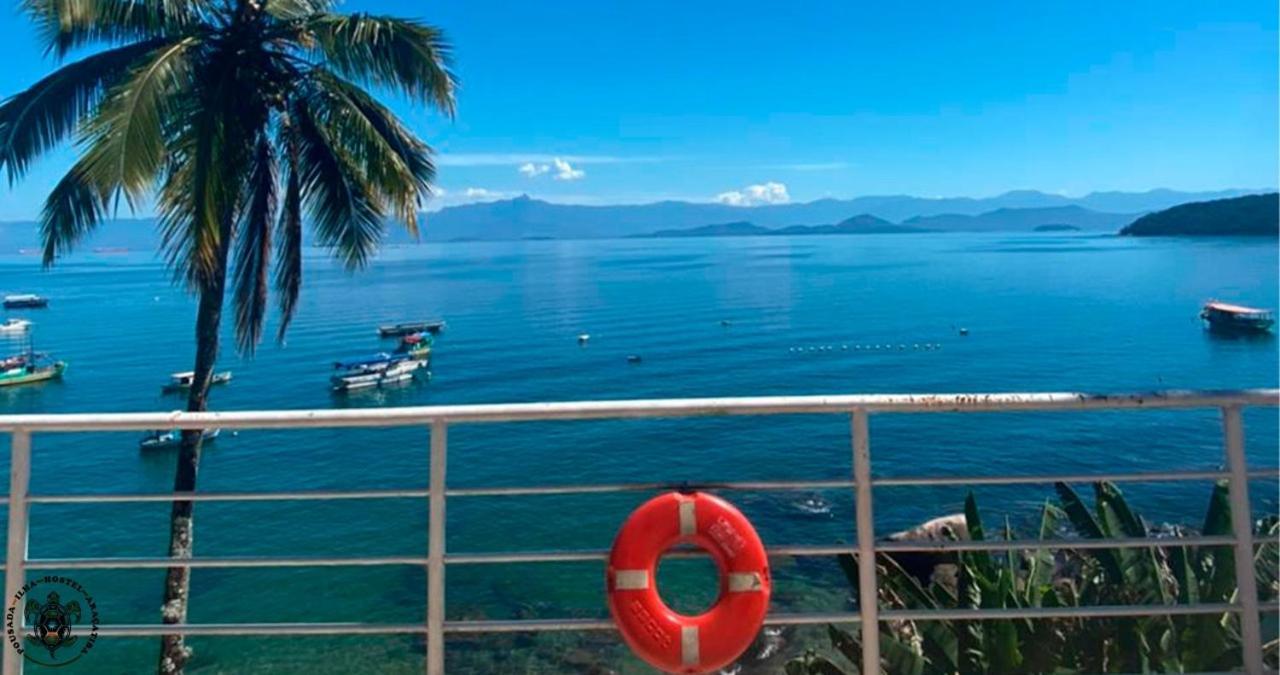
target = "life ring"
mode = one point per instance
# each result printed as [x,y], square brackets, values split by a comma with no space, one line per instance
[673,642]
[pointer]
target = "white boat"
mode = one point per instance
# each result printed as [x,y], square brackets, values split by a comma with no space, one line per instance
[182,381]
[25,301]
[160,440]
[15,326]
[376,372]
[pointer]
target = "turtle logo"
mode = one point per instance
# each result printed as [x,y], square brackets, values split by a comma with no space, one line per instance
[60,628]
[51,623]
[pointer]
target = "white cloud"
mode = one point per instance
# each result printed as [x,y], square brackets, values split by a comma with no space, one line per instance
[533,170]
[478,194]
[756,195]
[565,171]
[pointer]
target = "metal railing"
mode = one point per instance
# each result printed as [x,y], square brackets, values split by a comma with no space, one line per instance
[438,419]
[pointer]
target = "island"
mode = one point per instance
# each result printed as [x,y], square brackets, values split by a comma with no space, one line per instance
[1056,227]
[860,224]
[1252,215]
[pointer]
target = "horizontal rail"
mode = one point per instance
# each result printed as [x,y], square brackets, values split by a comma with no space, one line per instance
[165,563]
[307,495]
[790,619]
[414,493]
[197,629]
[1137,477]
[761,485]
[644,408]
[598,555]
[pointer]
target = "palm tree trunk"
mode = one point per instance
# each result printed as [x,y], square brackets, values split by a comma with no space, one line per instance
[174,653]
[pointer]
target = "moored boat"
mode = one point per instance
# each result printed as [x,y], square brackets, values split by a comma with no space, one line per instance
[182,381]
[15,326]
[416,346]
[375,371]
[161,440]
[409,328]
[1225,317]
[25,301]
[28,368]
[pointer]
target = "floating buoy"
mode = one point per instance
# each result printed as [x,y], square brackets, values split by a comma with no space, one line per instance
[964,331]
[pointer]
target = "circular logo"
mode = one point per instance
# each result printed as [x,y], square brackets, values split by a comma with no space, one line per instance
[51,621]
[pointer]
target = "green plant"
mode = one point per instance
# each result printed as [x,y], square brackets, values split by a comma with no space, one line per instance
[236,117]
[1039,578]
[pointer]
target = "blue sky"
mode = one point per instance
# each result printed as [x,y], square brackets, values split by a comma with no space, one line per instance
[750,102]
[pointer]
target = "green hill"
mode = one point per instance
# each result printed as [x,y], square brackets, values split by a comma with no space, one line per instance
[1254,215]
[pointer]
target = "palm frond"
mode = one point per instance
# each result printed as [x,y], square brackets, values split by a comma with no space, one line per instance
[67,24]
[126,137]
[192,205]
[397,164]
[400,54]
[289,249]
[37,119]
[339,198]
[73,208]
[287,10]
[253,252]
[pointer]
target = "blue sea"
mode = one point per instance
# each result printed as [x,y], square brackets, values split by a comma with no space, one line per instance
[805,315]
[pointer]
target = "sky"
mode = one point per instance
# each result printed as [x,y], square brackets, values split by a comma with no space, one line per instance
[753,102]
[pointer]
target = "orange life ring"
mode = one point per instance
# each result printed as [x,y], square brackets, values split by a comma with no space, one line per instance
[673,642]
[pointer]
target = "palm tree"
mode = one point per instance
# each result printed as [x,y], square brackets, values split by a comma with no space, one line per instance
[235,118]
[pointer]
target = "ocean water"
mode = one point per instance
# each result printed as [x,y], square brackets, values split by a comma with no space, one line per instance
[808,315]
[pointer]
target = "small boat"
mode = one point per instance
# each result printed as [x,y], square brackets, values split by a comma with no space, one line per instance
[410,328]
[15,326]
[25,300]
[416,346]
[378,370]
[162,440]
[28,368]
[583,338]
[182,381]
[1221,316]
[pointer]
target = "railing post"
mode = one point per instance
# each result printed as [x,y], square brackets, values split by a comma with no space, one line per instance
[868,601]
[435,550]
[15,561]
[1242,527]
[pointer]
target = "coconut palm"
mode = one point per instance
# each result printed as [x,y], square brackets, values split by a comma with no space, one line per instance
[236,119]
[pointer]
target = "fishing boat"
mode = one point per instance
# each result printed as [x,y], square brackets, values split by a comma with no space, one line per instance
[378,370]
[410,328]
[25,300]
[182,381]
[416,346]
[15,326]
[1225,317]
[28,368]
[162,440]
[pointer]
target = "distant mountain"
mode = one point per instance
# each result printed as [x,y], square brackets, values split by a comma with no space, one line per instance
[527,218]
[1254,215]
[863,224]
[524,217]
[738,229]
[1021,219]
